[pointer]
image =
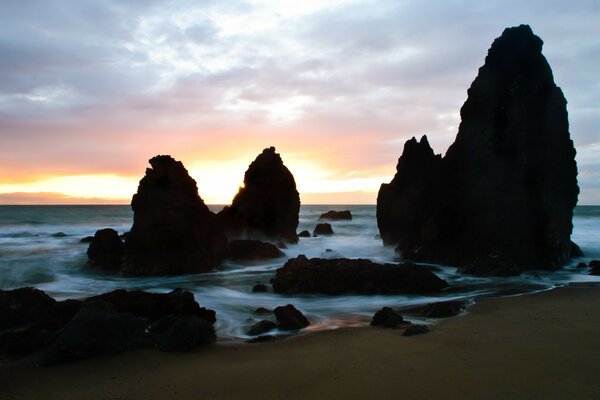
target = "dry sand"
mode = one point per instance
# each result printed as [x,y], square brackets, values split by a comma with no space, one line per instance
[541,346]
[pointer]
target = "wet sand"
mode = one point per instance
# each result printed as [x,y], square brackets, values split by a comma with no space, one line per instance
[541,346]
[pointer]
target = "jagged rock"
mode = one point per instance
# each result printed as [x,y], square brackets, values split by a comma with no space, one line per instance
[323,230]
[244,250]
[95,330]
[289,318]
[173,231]
[387,318]
[106,250]
[260,288]
[304,234]
[262,327]
[336,215]
[340,276]
[443,309]
[501,200]
[268,204]
[415,330]
[155,306]
[180,334]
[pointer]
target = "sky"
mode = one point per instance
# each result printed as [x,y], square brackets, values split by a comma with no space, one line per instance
[92,89]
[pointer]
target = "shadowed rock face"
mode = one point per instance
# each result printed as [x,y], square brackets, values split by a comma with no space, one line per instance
[268,204]
[501,200]
[173,231]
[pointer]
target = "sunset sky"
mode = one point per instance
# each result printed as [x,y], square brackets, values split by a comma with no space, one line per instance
[91,89]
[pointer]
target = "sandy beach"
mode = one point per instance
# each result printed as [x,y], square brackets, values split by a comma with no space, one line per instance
[540,346]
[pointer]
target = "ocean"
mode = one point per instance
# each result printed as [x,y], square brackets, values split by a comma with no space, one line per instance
[40,246]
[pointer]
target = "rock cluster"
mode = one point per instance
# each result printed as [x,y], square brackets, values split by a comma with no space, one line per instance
[288,317]
[501,200]
[340,276]
[268,204]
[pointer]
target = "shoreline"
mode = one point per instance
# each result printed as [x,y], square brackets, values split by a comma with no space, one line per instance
[531,346]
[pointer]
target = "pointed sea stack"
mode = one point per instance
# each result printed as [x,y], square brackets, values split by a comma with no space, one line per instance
[173,231]
[501,200]
[267,206]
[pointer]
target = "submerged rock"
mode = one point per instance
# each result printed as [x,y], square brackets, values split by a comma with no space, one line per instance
[501,200]
[260,288]
[268,204]
[289,318]
[336,215]
[262,327]
[443,309]
[173,231]
[340,276]
[323,229]
[252,250]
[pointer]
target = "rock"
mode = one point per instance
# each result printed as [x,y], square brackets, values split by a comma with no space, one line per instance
[181,334]
[323,229]
[106,250]
[581,265]
[415,330]
[594,267]
[330,254]
[268,204]
[336,215]
[289,318]
[443,309]
[20,342]
[501,200]
[304,234]
[252,250]
[87,239]
[262,339]
[262,327]
[262,310]
[575,251]
[260,288]
[97,329]
[155,306]
[58,234]
[341,276]
[387,318]
[173,231]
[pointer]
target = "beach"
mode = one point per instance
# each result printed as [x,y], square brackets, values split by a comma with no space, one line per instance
[534,346]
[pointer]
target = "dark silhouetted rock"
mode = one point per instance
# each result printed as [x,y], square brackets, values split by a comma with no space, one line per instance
[261,327]
[443,309]
[173,231]
[323,230]
[594,267]
[244,250]
[581,265]
[59,234]
[575,251]
[181,334]
[106,250]
[289,318]
[262,310]
[87,239]
[97,329]
[336,215]
[304,234]
[501,200]
[387,318]
[415,330]
[260,288]
[268,204]
[340,276]
[156,306]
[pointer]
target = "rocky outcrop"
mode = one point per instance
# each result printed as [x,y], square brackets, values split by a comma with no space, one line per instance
[106,250]
[341,276]
[501,200]
[245,250]
[268,204]
[289,318]
[173,231]
[337,215]
[323,229]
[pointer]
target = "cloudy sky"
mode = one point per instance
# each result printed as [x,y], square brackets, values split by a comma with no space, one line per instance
[91,89]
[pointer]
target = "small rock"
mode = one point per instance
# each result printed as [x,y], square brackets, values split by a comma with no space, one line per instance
[58,234]
[336,215]
[323,229]
[443,309]
[289,318]
[106,250]
[415,330]
[262,327]
[260,288]
[304,234]
[581,265]
[387,318]
[262,310]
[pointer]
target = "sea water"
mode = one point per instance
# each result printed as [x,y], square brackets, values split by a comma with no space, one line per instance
[40,246]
